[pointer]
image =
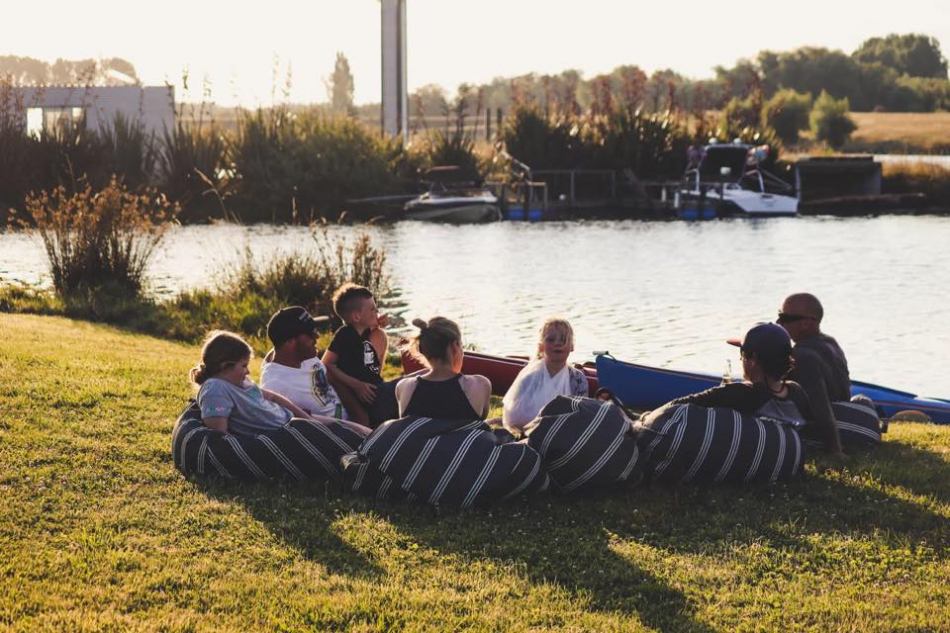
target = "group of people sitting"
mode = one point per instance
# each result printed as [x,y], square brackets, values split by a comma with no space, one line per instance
[346,385]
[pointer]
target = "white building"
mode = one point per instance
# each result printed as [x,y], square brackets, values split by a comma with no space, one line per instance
[41,108]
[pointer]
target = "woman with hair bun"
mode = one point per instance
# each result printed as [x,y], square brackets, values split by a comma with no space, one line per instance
[442,391]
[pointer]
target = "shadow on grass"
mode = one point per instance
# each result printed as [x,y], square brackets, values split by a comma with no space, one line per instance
[587,545]
[299,516]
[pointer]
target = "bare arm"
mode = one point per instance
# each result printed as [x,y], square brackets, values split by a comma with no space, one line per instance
[809,375]
[363,390]
[380,343]
[404,390]
[478,390]
[216,423]
[284,402]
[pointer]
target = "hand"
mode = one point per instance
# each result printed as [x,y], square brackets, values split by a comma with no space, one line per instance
[366,392]
[382,320]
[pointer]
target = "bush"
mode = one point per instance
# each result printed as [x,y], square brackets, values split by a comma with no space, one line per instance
[94,240]
[190,166]
[542,142]
[455,148]
[787,113]
[830,120]
[653,145]
[291,167]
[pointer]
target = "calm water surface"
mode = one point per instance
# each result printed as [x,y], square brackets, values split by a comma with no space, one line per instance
[660,293]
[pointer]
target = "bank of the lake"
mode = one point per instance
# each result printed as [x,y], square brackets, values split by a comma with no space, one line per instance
[99,532]
[660,293]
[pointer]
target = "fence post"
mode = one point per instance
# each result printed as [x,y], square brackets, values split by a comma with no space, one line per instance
[487,124]
[572,187]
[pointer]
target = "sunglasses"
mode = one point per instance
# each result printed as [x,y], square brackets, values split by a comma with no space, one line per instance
[791,318]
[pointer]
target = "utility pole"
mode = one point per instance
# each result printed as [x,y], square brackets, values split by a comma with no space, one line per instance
[395,110]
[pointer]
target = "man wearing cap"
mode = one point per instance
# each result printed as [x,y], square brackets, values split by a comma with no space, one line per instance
[820,365]
[293,368]
[766,352]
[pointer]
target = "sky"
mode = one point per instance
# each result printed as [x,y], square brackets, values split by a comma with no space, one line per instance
[244,51]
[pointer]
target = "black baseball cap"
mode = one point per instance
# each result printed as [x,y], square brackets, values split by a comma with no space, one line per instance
[765,339]
[290,322]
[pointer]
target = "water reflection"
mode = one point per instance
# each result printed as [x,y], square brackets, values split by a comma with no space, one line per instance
[662,293]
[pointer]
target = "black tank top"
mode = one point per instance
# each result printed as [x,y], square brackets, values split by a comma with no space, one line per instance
[441,399]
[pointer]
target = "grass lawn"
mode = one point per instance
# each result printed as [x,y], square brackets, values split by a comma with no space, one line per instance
[900,132]
[98,532]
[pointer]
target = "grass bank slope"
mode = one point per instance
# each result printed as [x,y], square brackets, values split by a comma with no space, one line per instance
[99,533]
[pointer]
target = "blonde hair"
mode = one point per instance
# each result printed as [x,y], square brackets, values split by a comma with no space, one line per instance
[556,324]
[221,349]
[434,339]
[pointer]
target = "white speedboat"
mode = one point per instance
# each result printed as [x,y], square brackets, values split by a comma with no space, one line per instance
[451,200]
[726,179]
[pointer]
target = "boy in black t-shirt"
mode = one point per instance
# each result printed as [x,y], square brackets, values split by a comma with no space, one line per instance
[356,355]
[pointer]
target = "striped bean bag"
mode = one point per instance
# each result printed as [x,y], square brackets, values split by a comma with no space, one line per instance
[858,425]
[301,450]
[442,462]
[585,443]
[688,443]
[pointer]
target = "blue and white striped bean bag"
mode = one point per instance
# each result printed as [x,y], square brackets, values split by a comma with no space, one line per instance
[688,443]
[442,462]
[301,450]
[585,443]
[858,425]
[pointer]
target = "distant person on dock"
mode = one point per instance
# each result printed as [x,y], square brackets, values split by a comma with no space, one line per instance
[443,391]
[544,378]
[355,357]
[820,364]
[293,369]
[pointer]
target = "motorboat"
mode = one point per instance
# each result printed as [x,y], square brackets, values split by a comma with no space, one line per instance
[727,179]
[451,199]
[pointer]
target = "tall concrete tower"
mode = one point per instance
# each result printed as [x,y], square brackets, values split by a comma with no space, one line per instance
[395,115]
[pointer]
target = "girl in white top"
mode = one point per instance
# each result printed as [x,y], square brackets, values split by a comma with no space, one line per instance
[545,377]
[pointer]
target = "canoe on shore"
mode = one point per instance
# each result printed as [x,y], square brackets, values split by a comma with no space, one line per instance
[500,370]
[641,387]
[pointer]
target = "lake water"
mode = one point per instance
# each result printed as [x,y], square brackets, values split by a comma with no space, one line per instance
[659,293]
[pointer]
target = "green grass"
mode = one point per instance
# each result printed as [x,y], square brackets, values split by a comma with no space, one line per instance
[98,532]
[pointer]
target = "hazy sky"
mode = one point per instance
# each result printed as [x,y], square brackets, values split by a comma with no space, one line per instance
[245,48]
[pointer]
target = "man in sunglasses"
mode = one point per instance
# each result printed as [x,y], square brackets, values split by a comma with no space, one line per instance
[820,365]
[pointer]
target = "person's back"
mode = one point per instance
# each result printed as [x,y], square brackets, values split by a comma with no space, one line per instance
[819,357]
[442,391]
[442,399]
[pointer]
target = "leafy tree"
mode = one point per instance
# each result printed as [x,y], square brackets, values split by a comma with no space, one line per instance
[787,113]
[340,86]
[831,121]
[911,54]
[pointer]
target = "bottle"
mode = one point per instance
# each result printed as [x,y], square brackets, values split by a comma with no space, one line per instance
[727,375]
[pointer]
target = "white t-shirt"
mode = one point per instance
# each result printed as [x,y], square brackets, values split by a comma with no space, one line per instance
[307,387]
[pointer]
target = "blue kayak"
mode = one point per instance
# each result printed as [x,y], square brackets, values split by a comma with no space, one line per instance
[642,388]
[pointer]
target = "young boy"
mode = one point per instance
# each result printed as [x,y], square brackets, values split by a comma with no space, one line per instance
[356,355]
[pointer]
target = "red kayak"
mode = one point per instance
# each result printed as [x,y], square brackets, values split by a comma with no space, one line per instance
[500,370]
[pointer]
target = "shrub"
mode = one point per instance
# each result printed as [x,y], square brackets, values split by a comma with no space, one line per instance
[131,152]
[787,113]
[830,120]
[190,166]
[653,145]
[304,166]
[95,240]
[455,148]
[542,142]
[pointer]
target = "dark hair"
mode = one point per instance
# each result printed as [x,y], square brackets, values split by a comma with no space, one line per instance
[776,367]
[346,296]
[434,339]
[221,350]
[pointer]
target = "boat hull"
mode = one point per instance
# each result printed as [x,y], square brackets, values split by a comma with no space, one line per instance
[643,388]
[500,370]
